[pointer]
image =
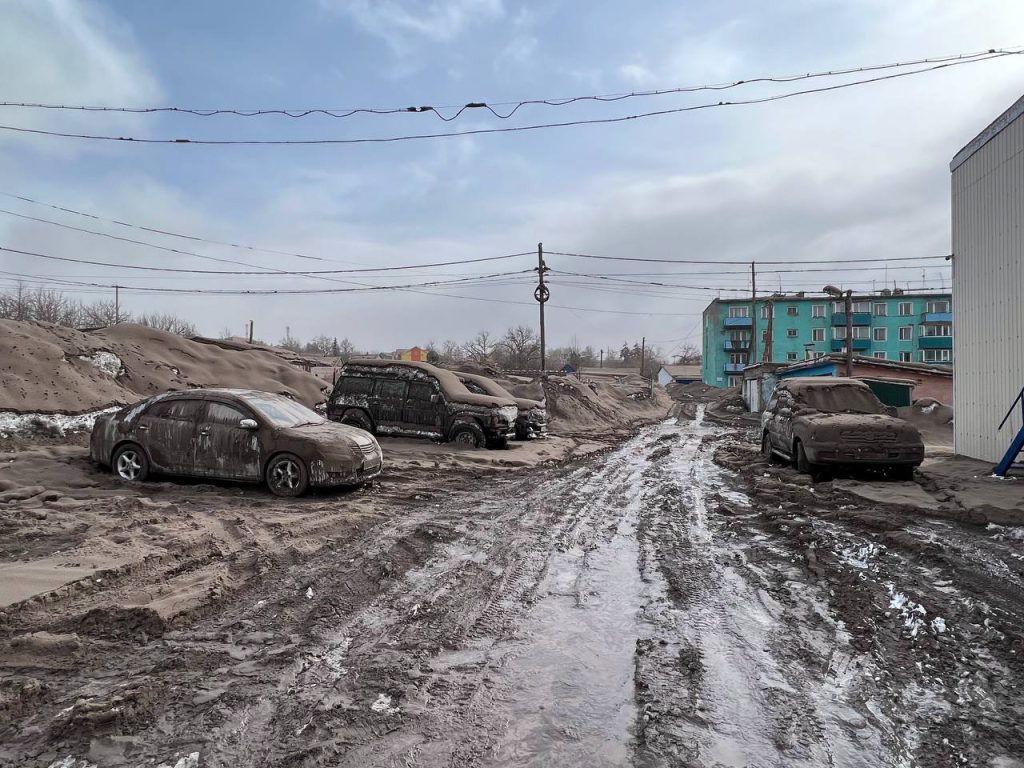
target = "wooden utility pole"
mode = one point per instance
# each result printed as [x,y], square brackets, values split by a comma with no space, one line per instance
[643,355]
[541,294]
[849,334]
[769,332]
[601,364]
[752,356]
[250,331]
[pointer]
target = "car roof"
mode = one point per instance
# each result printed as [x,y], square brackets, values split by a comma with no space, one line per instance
[206,393]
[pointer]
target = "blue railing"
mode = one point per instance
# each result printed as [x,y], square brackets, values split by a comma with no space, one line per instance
[1017,444]
[737,322]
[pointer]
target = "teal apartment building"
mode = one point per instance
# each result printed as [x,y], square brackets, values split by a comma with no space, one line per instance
[897,325]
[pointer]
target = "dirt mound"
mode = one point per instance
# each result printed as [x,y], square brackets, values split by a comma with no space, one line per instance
[933,420]
[575,406]
[48,368]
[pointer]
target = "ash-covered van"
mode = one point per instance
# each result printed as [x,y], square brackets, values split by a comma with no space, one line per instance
[410,399]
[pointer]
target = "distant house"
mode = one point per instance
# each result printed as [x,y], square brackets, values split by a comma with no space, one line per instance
[678,374]
[414,354]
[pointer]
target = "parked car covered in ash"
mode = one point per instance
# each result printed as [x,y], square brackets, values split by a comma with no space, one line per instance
[818,422]
[412,399]
[532,421]
[234,434]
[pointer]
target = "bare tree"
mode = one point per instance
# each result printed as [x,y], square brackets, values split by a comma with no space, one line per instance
[290,343]
[688,354]
[521,347]
[166,322]
[101,313]
[320,345]
[480,348]
[344,350]
[451,352]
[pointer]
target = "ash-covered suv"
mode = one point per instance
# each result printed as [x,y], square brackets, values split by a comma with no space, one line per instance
[532,421]
[818,422]
[410,399]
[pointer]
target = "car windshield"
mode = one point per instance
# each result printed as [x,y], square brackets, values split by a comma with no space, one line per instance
[840,399]
[283,412]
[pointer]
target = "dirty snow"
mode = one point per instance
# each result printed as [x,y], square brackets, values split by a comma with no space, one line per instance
[106,363]
[12,424]
[383,705]
[309,593]
[908,610]
[189,761]
[859,557]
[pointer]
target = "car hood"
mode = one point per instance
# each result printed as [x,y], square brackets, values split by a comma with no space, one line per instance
[525,404]
[331,432]
[862,423]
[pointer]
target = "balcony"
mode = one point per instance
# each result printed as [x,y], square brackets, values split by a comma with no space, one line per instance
[737,322]
[735,367]
[859,345]
[736,345]
[937,318]
[935,342]
[859,318]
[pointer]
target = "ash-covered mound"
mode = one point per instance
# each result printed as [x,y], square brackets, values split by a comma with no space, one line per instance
[47,368]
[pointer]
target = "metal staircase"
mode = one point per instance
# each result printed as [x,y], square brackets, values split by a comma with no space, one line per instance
[1017,444]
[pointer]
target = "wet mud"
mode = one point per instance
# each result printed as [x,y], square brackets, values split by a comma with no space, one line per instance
[673,601]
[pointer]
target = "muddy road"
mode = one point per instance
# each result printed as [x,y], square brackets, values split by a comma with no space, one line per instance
[674,601]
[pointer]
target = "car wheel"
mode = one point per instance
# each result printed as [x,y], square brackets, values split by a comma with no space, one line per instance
[802,464]
[357,419]
[130,463]
[468,436]
[287,476]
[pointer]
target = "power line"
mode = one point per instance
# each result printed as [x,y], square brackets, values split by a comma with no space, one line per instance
[515,105]
[883,259]
[514,129]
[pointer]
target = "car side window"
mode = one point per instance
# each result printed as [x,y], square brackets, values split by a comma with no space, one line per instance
[772,403]
[420,391]
[357,386]
[391,390]
[219,413]
[175,410]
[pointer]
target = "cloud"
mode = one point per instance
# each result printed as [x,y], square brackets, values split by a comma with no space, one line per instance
[64,52]
[404,23]
[636,74]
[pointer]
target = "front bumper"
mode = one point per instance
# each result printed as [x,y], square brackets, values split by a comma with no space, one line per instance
[864,455]
[328,474]
[531,429]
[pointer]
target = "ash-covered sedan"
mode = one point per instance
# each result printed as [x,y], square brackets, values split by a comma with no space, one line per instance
[234,434]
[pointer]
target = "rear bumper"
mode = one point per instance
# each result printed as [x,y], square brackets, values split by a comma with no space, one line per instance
[865,455]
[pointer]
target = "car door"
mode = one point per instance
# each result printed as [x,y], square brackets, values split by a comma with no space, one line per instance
[784,421]
[389,403]
[424,409]
[224,448]
[167,431]
[770,424]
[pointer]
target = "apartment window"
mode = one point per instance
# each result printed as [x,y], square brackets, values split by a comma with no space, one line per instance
[735,381]
[767,311]
[816,355]
[906,309]
[838,306]
[879,334]
[937,355]
[839,332]
[791,355]
[936,330]
[938,306]
[791,333]
[792,311]
[817,334]
[879,355]
[739,311]
[906,333]
[862,306]
[881,310]
[738,358]
[905,357]
[817,310]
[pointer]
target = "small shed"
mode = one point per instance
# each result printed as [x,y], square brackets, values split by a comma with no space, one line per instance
[759,382]
[895,392]
[678,374]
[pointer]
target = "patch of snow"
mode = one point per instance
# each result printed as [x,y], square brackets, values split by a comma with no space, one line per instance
[17,423]
[189,761]
[929,408]
[383,705]
[334,658]
[71,762]
[938,625]
[1006,532]
[859,557]
[106,363]
[909,611]
[309,593]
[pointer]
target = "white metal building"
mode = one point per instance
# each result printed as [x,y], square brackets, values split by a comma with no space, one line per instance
[988,283]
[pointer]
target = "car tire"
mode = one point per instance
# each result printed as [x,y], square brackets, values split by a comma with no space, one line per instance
[130,463]
[286,475]
[802,464]
[358,419]
[903,473]
[468,435]
[497,443]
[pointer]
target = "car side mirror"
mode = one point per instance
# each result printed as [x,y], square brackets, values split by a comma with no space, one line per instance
[435,398]
[248,424]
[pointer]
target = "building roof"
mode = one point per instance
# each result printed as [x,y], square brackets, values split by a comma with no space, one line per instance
[822,298]
[994,128]
[682,370]
[838,357]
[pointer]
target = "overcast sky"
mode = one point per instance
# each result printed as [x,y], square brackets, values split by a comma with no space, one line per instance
[855,173]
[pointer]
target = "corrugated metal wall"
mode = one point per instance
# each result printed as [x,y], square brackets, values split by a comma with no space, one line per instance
[988,286]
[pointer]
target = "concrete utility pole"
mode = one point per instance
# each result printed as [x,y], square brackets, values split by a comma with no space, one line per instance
[541,294]
[117,304]
[849,334]
[752,355]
